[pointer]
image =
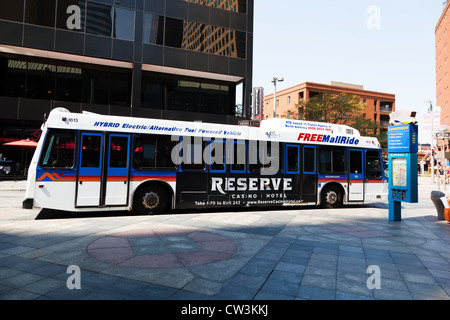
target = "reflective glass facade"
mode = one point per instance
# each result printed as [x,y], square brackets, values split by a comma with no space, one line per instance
[172,59]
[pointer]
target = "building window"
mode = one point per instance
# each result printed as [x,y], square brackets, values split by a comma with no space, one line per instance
[241,44]
[40,80]
[107,21]
[124,24]
[64,81]
[229,5]
[62,16]
[289,100]
[69,84]
[99,19]
[189,95]
[198,37]
[106,87]
[40,12]
[126,3]
[194,36]
[12,77]
[12,11]
[174,33]
[153,29]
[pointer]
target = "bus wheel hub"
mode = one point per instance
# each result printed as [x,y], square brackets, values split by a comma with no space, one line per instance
[150,200]
[331,197]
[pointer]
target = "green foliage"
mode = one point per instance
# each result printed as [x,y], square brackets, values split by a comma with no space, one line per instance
[331,108]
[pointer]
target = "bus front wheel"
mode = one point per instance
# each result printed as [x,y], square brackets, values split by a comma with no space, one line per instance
[331,197]
[150,199]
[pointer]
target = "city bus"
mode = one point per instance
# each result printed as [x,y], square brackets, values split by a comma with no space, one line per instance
[91,162]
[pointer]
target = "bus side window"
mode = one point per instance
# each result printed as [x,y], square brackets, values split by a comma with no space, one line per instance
[144,152]
[164,149]
[118,152]
[91,151]
[153,152]
[325,160]
[59,150]
[191,154]
[238,156]
[217,155]
[309,160]
[339,161]
[373,165]
[293,159]
[265,157]
[332,160]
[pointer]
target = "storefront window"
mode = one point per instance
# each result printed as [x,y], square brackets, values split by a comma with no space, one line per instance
[35,79]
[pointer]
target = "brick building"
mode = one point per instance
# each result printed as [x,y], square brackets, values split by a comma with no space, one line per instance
[378,105]
[442,39]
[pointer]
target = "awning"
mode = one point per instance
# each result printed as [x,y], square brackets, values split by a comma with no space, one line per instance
[22,143]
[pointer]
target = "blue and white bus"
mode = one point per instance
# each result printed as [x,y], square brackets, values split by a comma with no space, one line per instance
[89,162]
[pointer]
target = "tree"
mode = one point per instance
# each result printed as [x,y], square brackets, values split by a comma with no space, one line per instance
[370,128]
[329,107]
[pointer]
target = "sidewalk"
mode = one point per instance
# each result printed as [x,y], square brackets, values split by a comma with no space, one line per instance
[11,185]
[293,254]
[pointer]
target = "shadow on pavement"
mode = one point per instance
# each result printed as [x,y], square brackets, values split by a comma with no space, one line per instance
[46,214]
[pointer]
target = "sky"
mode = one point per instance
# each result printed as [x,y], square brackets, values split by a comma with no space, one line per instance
[386,46]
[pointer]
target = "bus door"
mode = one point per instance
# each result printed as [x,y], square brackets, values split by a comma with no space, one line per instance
[374,176]
[356,175]
[103,174]
[89,178]
[118,164]
[293,166]
[309,177]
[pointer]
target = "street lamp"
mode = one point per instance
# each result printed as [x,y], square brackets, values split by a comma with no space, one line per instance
[275,80]
[432,138]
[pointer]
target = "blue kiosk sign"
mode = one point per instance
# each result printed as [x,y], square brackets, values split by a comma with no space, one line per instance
[403,138]
[402,148]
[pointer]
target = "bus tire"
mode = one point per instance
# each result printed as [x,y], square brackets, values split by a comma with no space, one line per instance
[150,199]
[331,197]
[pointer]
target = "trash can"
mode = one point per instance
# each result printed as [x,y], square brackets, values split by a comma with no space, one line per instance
[436,199]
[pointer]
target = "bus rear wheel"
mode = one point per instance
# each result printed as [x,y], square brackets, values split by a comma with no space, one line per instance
[331,197]
[151,199]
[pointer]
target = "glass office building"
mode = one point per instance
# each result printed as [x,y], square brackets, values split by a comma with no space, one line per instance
[170,59]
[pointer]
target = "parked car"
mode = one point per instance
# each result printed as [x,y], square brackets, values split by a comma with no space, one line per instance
[6,167]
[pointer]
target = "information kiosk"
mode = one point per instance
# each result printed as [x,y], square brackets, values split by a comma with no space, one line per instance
[403,181]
